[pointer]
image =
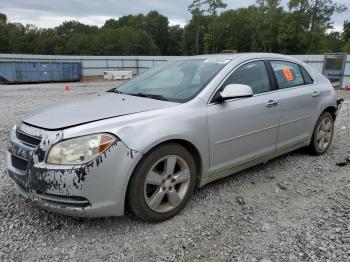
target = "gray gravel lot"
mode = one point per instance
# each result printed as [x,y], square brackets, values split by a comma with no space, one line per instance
[293,208]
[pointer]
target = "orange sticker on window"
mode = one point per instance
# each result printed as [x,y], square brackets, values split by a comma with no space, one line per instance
[288,75]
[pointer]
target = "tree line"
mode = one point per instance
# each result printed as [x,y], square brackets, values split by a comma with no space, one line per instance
[305,27]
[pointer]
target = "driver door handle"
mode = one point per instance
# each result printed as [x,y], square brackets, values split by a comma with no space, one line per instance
[272,103]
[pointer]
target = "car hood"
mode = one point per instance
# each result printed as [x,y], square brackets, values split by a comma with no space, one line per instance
[92,108]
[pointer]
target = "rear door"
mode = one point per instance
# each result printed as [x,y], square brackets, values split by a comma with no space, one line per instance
[298,102]
[244,129]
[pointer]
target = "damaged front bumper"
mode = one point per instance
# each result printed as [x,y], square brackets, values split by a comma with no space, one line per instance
[91,190]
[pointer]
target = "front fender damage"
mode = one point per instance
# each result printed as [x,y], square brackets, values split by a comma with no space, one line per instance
[96,188]
[101,182]
[62,180]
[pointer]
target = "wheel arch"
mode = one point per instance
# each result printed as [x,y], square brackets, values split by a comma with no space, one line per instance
[193,150]
[330,109]
[313,148]
[190,147]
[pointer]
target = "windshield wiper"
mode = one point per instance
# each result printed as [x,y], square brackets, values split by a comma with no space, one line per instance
[115,90]
[153,96]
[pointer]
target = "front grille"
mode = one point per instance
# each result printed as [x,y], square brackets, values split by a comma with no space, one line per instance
[19,163]
[27,139]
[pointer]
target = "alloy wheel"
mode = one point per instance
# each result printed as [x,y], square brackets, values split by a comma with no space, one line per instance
[324,133]
[167,183]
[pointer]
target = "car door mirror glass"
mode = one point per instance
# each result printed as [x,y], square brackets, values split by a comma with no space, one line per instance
[235,91]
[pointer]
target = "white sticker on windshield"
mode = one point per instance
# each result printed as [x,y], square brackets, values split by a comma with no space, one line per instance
[217,61]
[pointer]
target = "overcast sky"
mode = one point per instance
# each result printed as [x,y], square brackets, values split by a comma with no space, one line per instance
[46,13]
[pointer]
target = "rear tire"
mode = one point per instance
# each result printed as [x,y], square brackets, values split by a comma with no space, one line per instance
[162,183]
[322,135]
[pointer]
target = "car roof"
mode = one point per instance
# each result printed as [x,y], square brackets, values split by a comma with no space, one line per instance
[245,55]
[249,56]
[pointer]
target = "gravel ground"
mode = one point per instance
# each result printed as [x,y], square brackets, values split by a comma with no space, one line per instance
[293,208]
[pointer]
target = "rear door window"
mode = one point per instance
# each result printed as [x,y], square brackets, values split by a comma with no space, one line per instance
[307,78]
[287,74]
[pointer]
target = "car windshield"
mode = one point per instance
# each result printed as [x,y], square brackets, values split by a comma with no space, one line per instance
[176,81]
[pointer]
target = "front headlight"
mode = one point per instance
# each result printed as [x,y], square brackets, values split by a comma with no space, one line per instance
[80,150]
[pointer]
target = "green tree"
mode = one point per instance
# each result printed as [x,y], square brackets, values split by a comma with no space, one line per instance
[346,47]
[239,29]
[126,41]
[292,37]
[210,6]
[16,37]
[174,41]
[4,34]
[213,32]
[264,26]
[346,30]
[47,42]
[300,6]
[135,21]
[81,44]
[3,18]
[320,13]
[267,22]
[332,42]
[157,26]
[68,28]
[346,36]
[194,31]
[111,23]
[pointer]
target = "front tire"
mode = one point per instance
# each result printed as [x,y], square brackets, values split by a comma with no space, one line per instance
[322,135]
[162,183]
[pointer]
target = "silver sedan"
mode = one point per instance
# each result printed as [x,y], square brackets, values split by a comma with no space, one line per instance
[146,145]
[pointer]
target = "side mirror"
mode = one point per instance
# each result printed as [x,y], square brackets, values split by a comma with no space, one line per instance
[235,91]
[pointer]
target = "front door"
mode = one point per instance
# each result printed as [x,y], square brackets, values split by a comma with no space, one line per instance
[244,129]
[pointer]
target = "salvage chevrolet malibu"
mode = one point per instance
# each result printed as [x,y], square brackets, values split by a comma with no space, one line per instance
[145,145]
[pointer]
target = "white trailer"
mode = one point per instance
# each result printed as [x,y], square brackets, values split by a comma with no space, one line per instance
[117,75]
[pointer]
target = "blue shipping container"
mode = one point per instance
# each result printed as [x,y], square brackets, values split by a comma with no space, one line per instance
[30,71]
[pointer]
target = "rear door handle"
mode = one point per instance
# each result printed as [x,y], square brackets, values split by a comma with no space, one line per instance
[316,94]
[271,103]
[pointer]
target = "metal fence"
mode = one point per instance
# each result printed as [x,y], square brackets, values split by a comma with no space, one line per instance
[315,61]
[346,75]
[96,65]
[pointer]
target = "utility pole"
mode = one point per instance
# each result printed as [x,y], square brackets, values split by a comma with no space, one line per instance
[213,38]
[197,39]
